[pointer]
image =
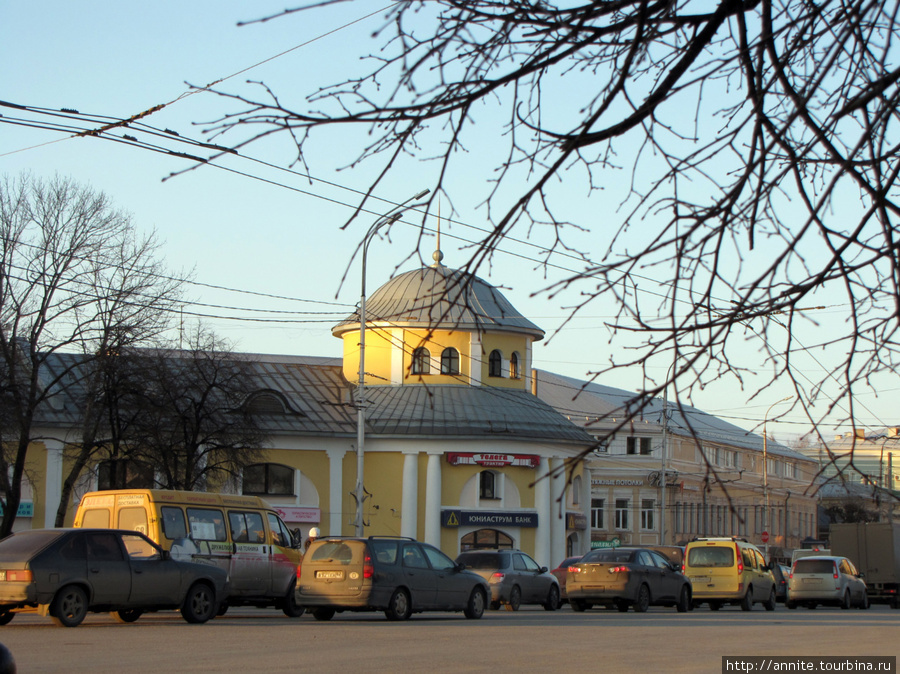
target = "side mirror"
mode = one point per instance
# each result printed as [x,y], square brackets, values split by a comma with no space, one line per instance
[460,566]
[165,554]
[544,569]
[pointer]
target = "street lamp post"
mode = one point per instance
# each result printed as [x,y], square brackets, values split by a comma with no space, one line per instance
[766,475]
[386,219]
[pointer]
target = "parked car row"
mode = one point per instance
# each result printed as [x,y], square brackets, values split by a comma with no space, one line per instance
[66,573]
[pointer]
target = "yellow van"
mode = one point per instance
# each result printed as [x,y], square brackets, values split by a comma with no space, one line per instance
[728,571]
[241,534]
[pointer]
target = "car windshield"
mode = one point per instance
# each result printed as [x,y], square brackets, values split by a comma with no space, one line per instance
[608,556]
[26,542]
[717,555]
[481,560]
[332,551]
[814,566]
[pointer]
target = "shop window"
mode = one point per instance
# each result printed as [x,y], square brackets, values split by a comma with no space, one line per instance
[450,361]
[514,365]
[635,445]
[486,538]
[488,487]
[597,521]
[623,505]
[495,364]
[271,479]
[648,508]
[421,361]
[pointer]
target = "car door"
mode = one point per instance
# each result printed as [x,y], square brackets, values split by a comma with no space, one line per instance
[155,580]
[452,587]
[670,580]
[250,562]
[765,580]
[535,584]
[647,571]
[419,576]
[109,572]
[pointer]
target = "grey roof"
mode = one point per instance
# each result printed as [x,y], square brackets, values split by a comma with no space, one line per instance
[600,408]
[319,402]
[438,297]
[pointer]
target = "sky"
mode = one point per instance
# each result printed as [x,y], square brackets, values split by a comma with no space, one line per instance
[264,245]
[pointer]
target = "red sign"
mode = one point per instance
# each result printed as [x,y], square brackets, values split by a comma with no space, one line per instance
[765,537]
[493,460]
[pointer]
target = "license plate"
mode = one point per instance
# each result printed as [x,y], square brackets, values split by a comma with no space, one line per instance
[330,575]
[699,579]
[811,581]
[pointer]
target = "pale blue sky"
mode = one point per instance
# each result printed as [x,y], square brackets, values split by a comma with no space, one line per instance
[120,59]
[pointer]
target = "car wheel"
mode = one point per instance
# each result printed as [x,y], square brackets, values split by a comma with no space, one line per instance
[399,607]
[864,602]
[789,604]
[290,606]
[714,606]
[552,599]
[642,603]
[69,607]
[515,599]
[845,600]
[6,617]
[475,607]
[747,601]
[770,605]
[322,613]
[684,600]
[127,616]
[199,604]
[577,605]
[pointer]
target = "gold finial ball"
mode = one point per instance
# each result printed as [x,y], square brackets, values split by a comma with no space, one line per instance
[437,256]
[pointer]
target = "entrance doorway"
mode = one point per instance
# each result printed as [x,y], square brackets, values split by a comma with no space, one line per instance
[486,538]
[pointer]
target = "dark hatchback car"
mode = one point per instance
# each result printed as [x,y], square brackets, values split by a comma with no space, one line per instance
[399,576]
[64,573]
[514,577]
[625,577]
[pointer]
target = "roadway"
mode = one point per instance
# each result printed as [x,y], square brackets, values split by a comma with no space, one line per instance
[530,640]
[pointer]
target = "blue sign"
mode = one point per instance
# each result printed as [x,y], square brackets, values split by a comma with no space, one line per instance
[26,509]
[488,518]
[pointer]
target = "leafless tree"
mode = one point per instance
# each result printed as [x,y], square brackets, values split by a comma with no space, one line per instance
[74,278]
[195,426]
[751,140]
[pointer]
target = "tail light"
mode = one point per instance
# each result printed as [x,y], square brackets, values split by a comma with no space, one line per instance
[618,569]
[496,577]
[298,571]
[368,568]
[574,569]
[740,560]
[836,574]
[17,575]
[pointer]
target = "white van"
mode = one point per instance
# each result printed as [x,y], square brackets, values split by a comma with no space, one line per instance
[241,534]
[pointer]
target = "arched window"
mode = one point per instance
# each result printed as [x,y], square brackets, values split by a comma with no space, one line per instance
[486,538]
[495,364]
[576,490]
[450,361]
[514,365]
[271,479]
[487,485]
[421,361]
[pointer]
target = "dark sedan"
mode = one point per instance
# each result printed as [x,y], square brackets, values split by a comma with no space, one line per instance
[625,577]
[64,573]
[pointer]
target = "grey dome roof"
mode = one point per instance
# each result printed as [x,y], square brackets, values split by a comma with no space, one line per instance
[438,297]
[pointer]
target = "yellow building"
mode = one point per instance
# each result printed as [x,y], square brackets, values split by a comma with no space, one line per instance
[458,450]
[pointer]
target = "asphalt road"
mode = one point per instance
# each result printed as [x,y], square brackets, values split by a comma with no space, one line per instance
[530,640]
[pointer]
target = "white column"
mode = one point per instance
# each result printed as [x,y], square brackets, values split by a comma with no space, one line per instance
[53,481]
[557,515]
[335,492]
[409,508]
[542,503]
[475,348]
[433,500]
[586,508]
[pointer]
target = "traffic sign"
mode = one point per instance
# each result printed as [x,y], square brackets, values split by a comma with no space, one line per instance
[765,536]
